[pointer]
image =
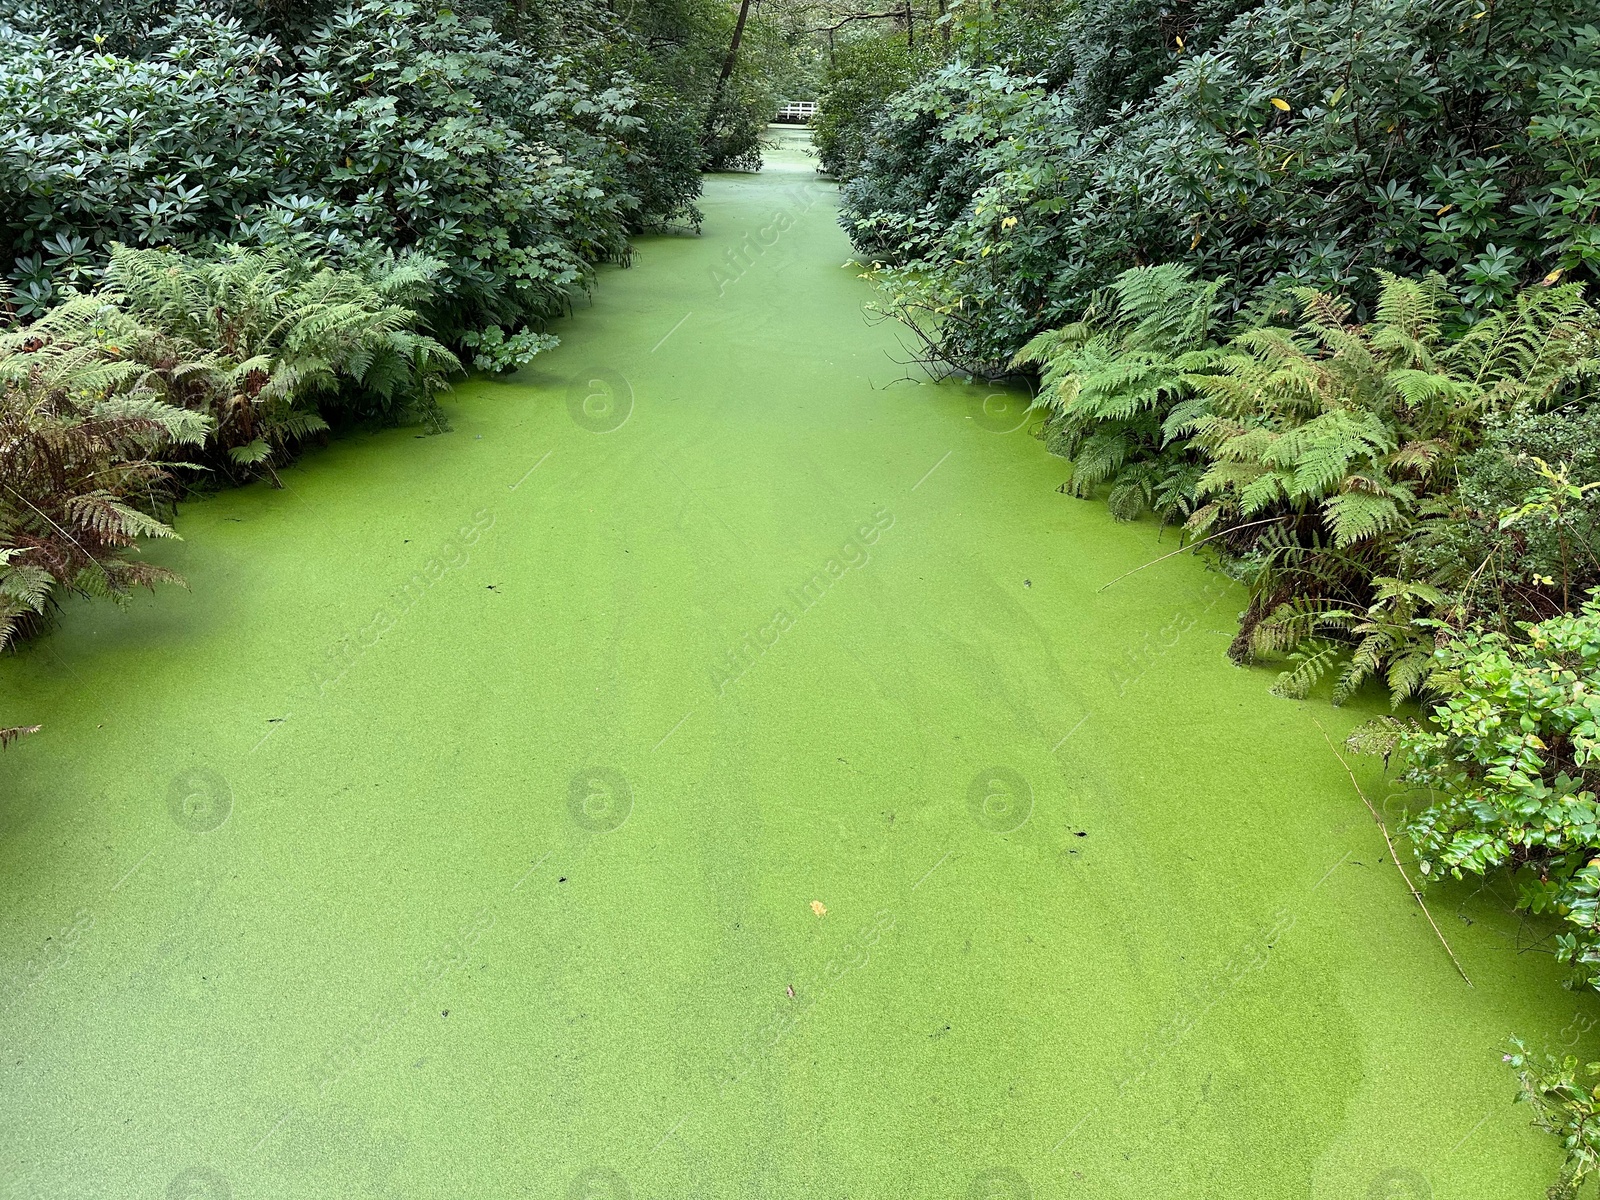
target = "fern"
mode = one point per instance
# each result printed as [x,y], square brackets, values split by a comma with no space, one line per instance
[276,341]
[1354,516]
[1530,351]
[1312,661]
[1380,736]
[85,428]
[1115,384]
[1342,436]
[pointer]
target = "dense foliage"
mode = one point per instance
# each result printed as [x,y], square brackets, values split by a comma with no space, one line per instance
[680,49]
[385,131]
[238,356]
[858,80]
[1306,143]
[1360,478]
[1510,764]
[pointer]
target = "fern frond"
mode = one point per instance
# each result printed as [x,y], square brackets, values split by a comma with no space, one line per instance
[1354,516]
[1312,662]
[1379,736]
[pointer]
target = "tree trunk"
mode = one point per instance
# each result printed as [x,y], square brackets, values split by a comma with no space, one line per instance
[727,70]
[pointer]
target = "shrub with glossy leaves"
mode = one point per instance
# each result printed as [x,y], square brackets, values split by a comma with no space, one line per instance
[1511,764]
[390,128]
[1310,144]
[861,75]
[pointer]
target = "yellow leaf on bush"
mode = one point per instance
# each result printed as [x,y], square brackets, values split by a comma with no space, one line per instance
[1280,105]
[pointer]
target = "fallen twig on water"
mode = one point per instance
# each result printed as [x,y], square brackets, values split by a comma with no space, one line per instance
[1384,829]
[1189,546]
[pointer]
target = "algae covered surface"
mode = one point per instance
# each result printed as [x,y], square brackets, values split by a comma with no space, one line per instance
[716,769]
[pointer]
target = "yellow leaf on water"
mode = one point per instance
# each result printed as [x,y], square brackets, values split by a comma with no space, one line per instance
[1280,105]
[818,907]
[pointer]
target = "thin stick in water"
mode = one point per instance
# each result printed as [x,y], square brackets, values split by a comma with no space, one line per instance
[1190,546]
[1384,829]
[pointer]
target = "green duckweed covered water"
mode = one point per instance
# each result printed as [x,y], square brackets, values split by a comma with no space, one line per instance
[465,828]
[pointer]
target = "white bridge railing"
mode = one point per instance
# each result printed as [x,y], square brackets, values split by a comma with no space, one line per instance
[798,112]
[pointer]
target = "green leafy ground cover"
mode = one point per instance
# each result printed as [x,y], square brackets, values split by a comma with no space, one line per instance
[457,833]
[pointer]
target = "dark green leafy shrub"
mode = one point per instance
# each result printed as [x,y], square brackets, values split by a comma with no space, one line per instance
[1111,53]
[1566,138]
[732,139]
[388,129]
[861,75]
[1520,534]
[1311,144]
[652,46]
